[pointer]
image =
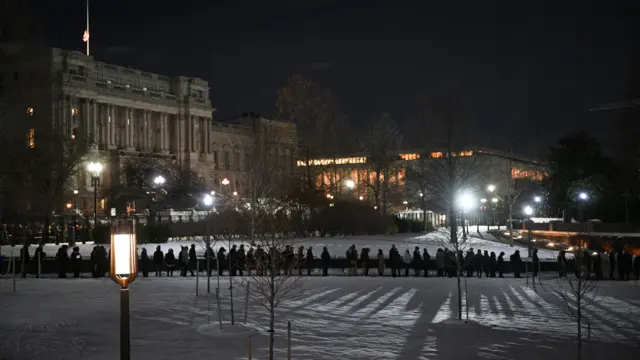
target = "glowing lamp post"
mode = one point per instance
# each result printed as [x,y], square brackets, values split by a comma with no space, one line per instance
[95,168]
[123,270]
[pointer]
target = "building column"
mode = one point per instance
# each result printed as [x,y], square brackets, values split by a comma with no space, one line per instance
[95,131]
[151,146]
[108,120]
[86,128]
[69,123]
[127,127]
[164,132]
[191,124]
[208,135]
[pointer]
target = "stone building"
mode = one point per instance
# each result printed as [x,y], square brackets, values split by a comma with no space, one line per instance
[117,112]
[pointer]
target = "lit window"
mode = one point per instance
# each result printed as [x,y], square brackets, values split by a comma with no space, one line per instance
[101,204]
[436,155]
[31,138]
[30,111]
[409,157]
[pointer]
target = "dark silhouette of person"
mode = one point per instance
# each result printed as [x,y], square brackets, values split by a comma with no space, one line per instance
[417,261]
[76,261]
[241,259]
[62,257]
[426,258]
[364,261]
[233,261]
[612,265]
[394,258]
[440,257]
[380,262]
[170,261]
[326,259]
[469,262]
[300,259]
[636,267]
[536,263]
[221,260]
[193,259]
[597,266]
[144,263]
[477,263]
[39,257]
[562,264]
[486,263]
[309,260]
[93,260]
[24,258]
[493,264]
[158,260]
[500,264]
[516,262]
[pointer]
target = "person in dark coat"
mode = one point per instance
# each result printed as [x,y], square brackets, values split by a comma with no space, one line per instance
[193,259]
[636,267]
[380,258]
[309,260]
[241,259]
[144,263]
[394,257]
[76,261]
[103,261]
[500,264]
[536,263]
[300,259]
[364,261]
[492,264]
[612,265]
[63,258]
[170,262]
[233,261]
[469,262]
[562,263]
[39,257]
[628,259]
[486,261]
[597,265]
[326,258]
[158,260]
[210,258]
[440,262]
[426,258]
[93,260]
[24,258]
[622,271]
[417,261]
[477,263]
[221,260]
[586,263]
[251,260]
[516,262]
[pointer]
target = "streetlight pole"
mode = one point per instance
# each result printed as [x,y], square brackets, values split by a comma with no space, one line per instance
[95,168]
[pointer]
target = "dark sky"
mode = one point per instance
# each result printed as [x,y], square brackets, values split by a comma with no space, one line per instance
[528,68]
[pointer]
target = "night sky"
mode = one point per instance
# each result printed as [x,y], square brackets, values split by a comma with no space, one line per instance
[527,69]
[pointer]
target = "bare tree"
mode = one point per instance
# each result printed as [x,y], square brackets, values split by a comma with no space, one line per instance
[275,281]
[579,293]
[456,249]
[381,145]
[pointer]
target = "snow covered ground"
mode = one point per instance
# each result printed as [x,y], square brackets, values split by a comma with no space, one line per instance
[338,245]
[337,318]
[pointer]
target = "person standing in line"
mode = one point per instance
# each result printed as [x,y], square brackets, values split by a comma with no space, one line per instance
[407,262]
[612,265]
[536,263]
[76,261]
[309,260]
[326,259]
[500,264]
[380,263]
[425,261]
[562,264]
[193,259]
[183,258]
[364,261]
[440,262]
[158,260]
[144,263]
[170,261]
[417,261]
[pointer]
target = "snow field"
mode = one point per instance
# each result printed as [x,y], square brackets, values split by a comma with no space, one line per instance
[336,318]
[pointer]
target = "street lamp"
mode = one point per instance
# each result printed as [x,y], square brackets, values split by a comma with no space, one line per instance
[583,196]
[159,180]
[95,168]
[491,188]
[494,200]
[207,200]
[528,210]
[483,200]
[537,199]
[350,184]
[123,270]
[235,193]
[225,182]
[466,201]
[361,197]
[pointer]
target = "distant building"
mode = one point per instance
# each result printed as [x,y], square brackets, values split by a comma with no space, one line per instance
[117,113]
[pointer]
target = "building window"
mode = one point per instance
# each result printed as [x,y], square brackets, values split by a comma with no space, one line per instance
[31,138]
[30,111]
[102,204]
[237,160]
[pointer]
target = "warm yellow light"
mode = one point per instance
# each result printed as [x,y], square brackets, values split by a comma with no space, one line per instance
[122,253]
[361,197]
[551,244]
[74,111]
[337,161]
[409,157]
[225,181]
[30,111]
[328,196]
[69,205]
[235,193]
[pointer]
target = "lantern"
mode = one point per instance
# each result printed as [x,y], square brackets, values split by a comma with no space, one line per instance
[124,253]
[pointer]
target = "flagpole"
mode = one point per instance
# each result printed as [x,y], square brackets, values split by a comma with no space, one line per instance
[88,27]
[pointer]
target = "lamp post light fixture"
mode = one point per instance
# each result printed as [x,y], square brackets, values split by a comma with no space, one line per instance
[491,188]
[405,202]
[361,197]
[95,168]
[159,180]
[207,200]
[483,200]
[494,200]
[528,210]
[123,270]
[225,182]
[235,193]
[350,184]
[537,199]
[466,201]
[583,196]
[213,193]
